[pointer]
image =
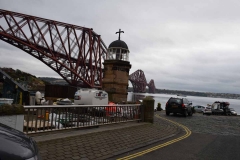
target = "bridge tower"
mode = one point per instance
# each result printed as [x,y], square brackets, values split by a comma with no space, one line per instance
[116,70]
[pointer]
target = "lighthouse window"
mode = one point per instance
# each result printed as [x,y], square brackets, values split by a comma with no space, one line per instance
[118,56]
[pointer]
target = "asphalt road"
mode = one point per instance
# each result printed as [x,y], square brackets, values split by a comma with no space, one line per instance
[212,138]
[201,147]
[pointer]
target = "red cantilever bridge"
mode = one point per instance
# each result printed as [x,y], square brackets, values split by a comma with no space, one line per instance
[76,53]
[139,82]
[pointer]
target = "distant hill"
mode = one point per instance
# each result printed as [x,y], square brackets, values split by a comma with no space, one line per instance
[201,94]
[31,82]
[51,80]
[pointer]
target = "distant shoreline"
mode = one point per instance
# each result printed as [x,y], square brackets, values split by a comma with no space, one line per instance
[194,93]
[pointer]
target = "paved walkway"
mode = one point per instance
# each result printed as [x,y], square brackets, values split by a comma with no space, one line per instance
[104,142]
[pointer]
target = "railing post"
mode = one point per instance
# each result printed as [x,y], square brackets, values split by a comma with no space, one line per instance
[142,112]
[148,109]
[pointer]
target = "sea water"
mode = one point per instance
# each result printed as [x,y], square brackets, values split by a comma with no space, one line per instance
[163,98]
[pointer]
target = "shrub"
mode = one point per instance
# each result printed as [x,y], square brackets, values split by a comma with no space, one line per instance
[13,109]
[159,108]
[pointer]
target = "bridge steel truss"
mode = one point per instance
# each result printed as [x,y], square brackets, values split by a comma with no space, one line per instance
[139,82]
[74,52]
[151,86]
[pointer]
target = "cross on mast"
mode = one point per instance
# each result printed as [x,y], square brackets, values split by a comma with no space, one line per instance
[119,33]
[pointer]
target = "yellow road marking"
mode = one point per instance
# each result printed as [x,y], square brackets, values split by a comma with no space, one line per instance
[188,133]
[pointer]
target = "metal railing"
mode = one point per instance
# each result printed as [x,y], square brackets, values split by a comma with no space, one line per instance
[58,117]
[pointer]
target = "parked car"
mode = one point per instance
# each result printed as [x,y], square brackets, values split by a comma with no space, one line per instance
[207,110]
[199,108]
[217,112]
[179,105]
[220,108]
[231,111]
[15,145]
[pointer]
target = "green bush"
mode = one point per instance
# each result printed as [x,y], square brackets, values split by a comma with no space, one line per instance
[14,109]
[159,108]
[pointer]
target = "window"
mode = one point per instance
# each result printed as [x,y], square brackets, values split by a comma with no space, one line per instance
[185,101]
[175,100]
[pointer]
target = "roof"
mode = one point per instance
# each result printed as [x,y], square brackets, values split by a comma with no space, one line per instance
[221,102]
[118,44]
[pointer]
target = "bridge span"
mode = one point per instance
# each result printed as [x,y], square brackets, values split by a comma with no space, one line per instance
[139,82]
[76,53]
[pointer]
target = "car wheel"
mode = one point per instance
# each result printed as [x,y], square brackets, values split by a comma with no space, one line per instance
[185,113]
[167,113]
[190,113]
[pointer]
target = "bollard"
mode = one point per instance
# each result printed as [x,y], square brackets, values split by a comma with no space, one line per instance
[148,109]
[159,108]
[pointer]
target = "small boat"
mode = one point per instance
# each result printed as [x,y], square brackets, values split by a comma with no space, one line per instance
[181,95]
[65,101]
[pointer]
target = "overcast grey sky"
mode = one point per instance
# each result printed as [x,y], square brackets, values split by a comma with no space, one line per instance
[181,44]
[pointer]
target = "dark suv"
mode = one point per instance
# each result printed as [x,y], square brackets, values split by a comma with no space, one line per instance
[179,105]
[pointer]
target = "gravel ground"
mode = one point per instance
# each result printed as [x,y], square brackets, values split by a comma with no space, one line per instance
[209,124]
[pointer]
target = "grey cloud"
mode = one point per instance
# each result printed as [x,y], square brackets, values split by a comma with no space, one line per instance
[185,45]
[6,46]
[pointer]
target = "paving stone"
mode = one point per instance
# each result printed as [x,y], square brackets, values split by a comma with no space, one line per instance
[83,155]
[75,154]
[76,157]
[92,157]
[96,152]
[51,156]
[68,155]
[105,143]
[60,157]
[75,150]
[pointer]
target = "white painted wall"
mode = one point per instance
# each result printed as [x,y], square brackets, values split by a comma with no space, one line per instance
[14,121]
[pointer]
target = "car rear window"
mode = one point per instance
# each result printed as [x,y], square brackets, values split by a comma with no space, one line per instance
[175,100]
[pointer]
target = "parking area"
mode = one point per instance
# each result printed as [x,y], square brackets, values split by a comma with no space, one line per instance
[211,124]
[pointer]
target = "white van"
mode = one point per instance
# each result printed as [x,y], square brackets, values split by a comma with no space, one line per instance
[91,97]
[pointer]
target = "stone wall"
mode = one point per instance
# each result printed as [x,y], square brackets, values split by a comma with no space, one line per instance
[115,79]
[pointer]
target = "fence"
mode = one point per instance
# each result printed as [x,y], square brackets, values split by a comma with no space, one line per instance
[58,117]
